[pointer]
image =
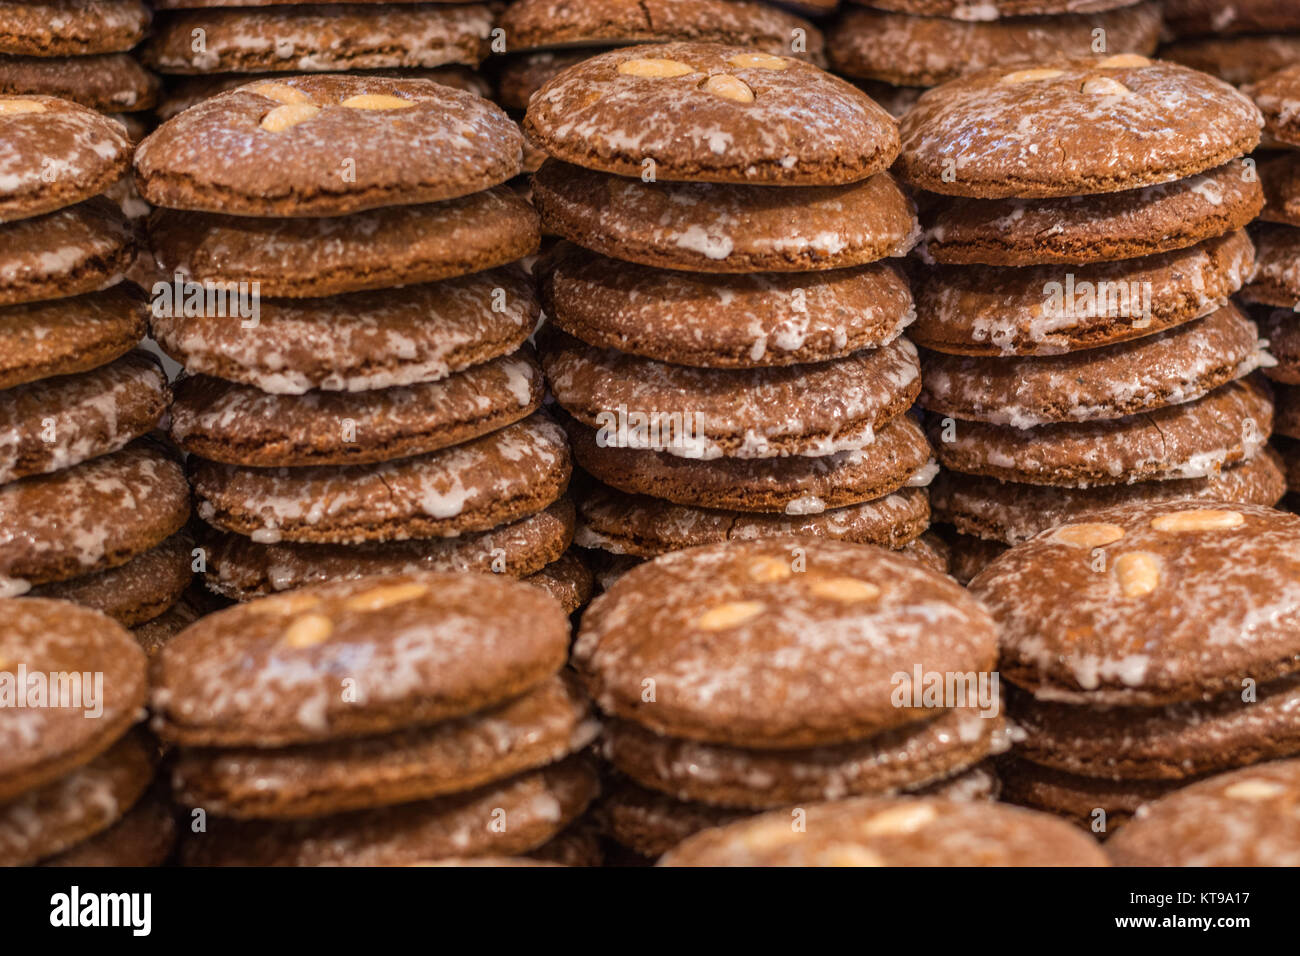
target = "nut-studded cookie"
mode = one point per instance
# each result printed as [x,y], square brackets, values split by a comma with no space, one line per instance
[55,153]
[1244,818]
[907,50]
[1097,228]
[795,485]
[1011,512]
[242,569]
[90,517]
[42,639]
[361,341]
[809,410]
[1192,440]
[1192,17]
[58,422]
[309,38]
[543,724]
[108,82]
[1067,127]
[537,805]
[897,831]
[725,114]
[461,642]
[710,227]
[83,248]
[323,146]
[778,615]
[1148,604]
[62,28]
[1277,277]
[483,483]
[1047,310]
[60,337]
[724,321]
[646,527]
[306,258]
[242,425]
[1172,367]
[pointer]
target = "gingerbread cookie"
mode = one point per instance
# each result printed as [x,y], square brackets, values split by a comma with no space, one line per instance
[62,28]
[64,336]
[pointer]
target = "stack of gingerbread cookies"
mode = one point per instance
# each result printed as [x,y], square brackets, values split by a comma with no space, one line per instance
[1080,349]
[92,509]
[341,292]
[725,332]
[390,720]
[897,49]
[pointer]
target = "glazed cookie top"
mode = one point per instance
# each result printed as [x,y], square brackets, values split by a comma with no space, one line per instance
[415,648]
[1070,127]
[538,24]
[1149,603]
[323,146]
[71,27]
[54,153]
[723,114]
[1248,817]
[48,638]
[898,831]
[777,642]
[722,321]
[1278,97]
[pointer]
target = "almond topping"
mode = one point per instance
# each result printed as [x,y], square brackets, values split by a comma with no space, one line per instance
[654,69]
[290,114]
[729,615]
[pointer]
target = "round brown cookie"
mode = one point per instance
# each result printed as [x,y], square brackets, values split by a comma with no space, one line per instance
[481,484]
[458,643]
[1281,328]
[1149,604]
[1235,59]
[568,580]
[809,410]
[794,486]
[1247,725]
[1192,17]
[43,741]
[1192,440]
[1278,98]
[182,92]
[359,342]
[907,50]
[724,321]
[1072,126]
[310,780]
[1280,175]
[994,9]
[55,153]
[709,227]
[58,422]
[1277,278]
[71,27]
[84,248]
[1169,368]
[243,425]
[652,823]
[647,527]
[90,517]
[242,569]
[578,844]
[1099,806]
[144,836]
[78,805]
[280,143]
[534,24]
[748,652]
[64,336]
[522,75]
[135,592]
[536,805]
[903,758]
[1286,418]
[1010,512]
[725,114]
[109,82]
[893,831]
[152,635]
[301,258]
[311,38]
[1109,226]
[1244,818]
